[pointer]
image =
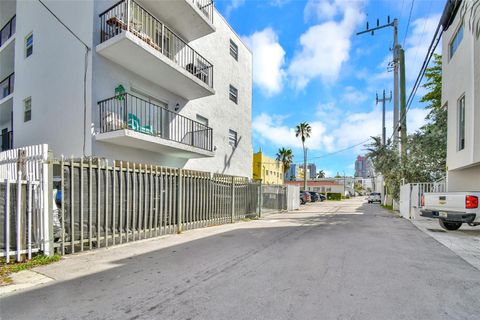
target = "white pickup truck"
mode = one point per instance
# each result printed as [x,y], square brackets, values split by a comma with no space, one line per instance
[452,208]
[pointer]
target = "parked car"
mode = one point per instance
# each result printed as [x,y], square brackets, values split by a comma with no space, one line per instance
[374,197]
[314,196]
[305,196]
[452,209]
[322,197]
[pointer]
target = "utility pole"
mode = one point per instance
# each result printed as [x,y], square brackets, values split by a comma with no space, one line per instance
[403,107]
[396,48]
[383,100]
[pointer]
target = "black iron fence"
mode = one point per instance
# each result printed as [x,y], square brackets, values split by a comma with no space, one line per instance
[130,16]
[126,111]
[6,141]
[8,30]
[6,85]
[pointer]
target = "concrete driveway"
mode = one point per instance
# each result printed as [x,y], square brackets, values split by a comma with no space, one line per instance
[335,260]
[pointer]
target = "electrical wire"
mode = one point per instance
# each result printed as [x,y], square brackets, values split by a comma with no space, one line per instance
[408,23]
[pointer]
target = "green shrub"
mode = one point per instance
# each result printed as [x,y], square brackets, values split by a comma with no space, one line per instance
[334,196]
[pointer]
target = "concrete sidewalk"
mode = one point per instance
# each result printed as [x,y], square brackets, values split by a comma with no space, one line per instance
[465,242]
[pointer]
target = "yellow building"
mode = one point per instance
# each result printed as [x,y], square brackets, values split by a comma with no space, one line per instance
[267,169]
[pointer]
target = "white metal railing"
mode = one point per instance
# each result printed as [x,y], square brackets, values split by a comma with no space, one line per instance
[127,15]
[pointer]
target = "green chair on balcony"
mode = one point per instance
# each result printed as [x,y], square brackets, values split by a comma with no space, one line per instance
[134,124]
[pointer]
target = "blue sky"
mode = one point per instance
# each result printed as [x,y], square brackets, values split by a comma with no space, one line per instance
[310,66]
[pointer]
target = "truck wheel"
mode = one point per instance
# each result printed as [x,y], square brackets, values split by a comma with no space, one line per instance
[449,225]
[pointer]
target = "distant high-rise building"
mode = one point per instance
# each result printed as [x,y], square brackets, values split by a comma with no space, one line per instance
[311,170]
[363,167]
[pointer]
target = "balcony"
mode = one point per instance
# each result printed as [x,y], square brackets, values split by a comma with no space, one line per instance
[150,49]
[133,122]
[192,19]
[8,31]
[6,141]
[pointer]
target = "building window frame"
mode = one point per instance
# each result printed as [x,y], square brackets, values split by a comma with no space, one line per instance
[27,109]
[461,123]
[455,41]
[233,94]
[29,45]
[201,119]
[234,50]
[232,138]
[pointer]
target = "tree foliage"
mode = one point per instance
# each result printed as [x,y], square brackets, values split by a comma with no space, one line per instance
[285,156]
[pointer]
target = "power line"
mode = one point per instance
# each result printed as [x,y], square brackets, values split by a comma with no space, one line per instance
[408,23]
[341,150]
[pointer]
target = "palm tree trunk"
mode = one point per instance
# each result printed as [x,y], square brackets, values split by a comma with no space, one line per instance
[304,167]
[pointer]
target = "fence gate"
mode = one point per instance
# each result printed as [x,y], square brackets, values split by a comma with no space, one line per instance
[411,197]
[24,199]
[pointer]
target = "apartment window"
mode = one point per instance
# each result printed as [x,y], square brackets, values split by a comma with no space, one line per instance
[27,109]
[457,39]
[202,120]
[234,50]
[461,123]
[29,45]
[233,94]
[232,138]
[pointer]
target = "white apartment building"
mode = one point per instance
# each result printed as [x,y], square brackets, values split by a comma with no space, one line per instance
[158,82]
[461,95]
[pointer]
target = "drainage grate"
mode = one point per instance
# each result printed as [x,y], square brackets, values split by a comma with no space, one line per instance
[436,230]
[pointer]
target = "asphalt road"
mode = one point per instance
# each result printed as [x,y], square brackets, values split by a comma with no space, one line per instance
[330,261]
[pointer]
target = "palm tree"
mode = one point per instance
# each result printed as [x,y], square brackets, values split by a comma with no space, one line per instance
[321,174]
[303,130]
[285,156]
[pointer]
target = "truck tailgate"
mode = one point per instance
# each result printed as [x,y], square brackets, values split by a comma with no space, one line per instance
[450,201]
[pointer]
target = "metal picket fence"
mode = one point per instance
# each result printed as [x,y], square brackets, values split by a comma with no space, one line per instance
[104,204]
[66,206]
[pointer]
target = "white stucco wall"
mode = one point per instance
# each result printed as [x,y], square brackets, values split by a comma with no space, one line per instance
[53,78]
[461,76]
[53,75]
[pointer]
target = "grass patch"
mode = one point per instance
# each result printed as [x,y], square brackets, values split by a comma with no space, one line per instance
[7,269]
[386,206]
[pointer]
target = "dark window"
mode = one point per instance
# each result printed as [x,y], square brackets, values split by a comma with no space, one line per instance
[232,138]
[27,108]
[233,50]
[233,94]
[28,45]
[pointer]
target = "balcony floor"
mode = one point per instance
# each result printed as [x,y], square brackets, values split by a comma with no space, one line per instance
[137,140]
[137,56]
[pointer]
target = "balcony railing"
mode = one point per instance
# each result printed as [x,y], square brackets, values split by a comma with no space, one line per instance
[8,30]
[154,33]
[6,86]
[6,141]
[126,111]
[206,7]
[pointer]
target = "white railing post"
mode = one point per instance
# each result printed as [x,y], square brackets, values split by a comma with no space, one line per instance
[128,15]
[7,221]
[19,216]
[47,200]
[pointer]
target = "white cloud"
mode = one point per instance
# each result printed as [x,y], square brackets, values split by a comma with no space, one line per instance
[234,4]
[332,128]
[353,96]
[272,129]
[268,61]
[325,46]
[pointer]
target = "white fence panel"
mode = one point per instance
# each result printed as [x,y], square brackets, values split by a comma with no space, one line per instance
[30,164]
[411,197]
